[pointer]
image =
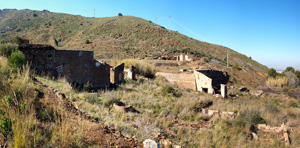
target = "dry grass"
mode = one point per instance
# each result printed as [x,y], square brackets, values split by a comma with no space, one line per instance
[21,103]
[277,82]
[158,109]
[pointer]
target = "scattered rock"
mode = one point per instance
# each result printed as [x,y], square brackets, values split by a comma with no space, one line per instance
[256,93]
[148,143]
[120,106]
[166,143]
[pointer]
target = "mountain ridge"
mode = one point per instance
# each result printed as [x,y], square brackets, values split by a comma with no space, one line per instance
[112,37]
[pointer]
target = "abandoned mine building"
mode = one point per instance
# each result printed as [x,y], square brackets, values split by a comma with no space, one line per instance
[211,81]
[184,57]
[78,67]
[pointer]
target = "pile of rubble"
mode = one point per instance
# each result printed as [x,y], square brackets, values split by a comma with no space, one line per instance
[216,113]
[261,132]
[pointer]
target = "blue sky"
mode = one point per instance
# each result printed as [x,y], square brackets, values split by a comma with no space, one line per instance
[266,30]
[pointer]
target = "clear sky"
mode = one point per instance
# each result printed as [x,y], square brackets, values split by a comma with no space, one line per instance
[266,30]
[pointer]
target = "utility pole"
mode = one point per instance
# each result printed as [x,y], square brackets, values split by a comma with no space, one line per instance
[155,20]
[94,12]
[227,57]
[169,22]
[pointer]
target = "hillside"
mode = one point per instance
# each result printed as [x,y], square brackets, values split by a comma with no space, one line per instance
[111,37]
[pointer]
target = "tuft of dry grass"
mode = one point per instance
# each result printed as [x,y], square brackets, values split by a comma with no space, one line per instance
[277,82]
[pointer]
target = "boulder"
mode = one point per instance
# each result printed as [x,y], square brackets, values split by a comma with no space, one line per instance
[256,93]
[120,106]
[148,143]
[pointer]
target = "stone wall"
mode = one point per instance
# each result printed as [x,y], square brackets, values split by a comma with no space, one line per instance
[182,80]
[79,67]
[117,74]
[130,73]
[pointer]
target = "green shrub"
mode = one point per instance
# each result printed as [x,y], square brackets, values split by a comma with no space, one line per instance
[108,102]
[292,104]
[7,50]
[6,127]
[236,66]
[272,107]
[9,100]
[289,69]
[88,86]
[169,90]
[250,117]
[16,60]
[272,73]
[87,41]
[93,99]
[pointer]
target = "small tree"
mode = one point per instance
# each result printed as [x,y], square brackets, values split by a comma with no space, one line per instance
[120,14]
[87,41]
[289,69]
[272,73]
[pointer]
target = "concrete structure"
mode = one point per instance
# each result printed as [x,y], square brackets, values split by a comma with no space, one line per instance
[78,67]
[182,80]
[130,73]
[223,90]
[210,81]
[184,57]
[117,74]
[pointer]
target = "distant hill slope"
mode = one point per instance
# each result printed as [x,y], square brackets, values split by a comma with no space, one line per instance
[111,37]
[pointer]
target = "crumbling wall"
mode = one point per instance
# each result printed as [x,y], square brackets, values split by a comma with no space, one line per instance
[130,73]
[40,57]
[182,80]
[79,67]
[117,74]
[203,83]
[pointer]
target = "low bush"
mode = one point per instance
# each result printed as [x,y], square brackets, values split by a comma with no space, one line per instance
[250,117]
[16,60]
[93,99]
[7,50]
[108,102]
[169,90]
[6,127]
[88,86]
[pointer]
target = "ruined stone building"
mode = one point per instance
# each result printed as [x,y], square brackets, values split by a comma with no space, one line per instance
[184,57]
[130,73]
[211,81]
[117,74]
[78,67]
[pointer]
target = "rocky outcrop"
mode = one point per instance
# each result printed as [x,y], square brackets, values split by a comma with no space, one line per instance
[256,93]
[148,143]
